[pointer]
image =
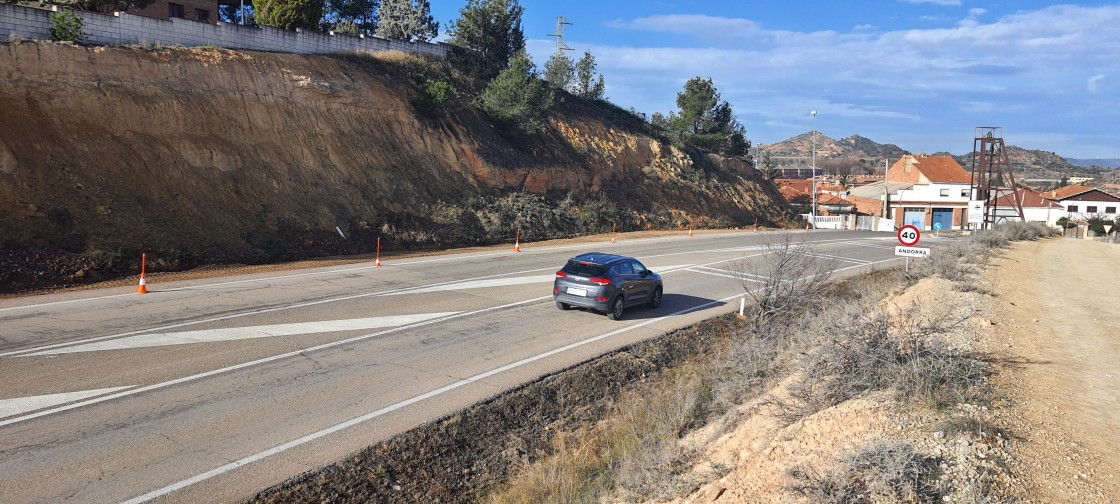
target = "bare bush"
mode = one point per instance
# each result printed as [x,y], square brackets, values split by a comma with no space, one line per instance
[787,279]
[883,471]
[867,350]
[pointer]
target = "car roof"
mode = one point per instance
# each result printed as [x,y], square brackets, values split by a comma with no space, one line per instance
[599,258]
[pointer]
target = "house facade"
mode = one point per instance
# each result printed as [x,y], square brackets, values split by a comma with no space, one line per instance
[1084,202]
[938,193]
[1036,208]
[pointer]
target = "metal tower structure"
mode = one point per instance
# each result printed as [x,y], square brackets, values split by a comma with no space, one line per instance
[991,175]
[559,34]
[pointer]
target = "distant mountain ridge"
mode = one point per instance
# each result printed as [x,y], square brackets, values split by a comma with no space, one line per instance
[1024,163]
[1103,163]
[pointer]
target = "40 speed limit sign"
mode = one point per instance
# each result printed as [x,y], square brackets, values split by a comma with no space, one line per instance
[909,235]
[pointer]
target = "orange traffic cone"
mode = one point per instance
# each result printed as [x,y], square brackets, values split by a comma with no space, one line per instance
[806,225]
[756,224]
[377,259]
[612,233]
[690,230]
[143,288]
[517,241]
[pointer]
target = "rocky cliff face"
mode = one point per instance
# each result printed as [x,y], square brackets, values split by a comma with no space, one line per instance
[207,156]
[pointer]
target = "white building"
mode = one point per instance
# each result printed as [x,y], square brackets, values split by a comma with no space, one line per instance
[1084,202]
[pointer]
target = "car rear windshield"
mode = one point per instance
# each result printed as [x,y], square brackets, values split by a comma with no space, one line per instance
[584,269]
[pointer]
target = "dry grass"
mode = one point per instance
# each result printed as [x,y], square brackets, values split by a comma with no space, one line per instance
[629,452]
[881,472]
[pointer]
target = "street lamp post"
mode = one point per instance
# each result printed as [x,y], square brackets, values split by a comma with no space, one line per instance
[814,217]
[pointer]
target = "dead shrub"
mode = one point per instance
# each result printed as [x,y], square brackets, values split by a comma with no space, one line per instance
[865,350]
[783,282]
[882,472]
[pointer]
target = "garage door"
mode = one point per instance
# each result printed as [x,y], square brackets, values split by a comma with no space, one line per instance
[915,217]
[944,216]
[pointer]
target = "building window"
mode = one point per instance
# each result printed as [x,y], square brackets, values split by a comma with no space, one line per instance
[1091,209]
[201,15]
[1073,208]
[964,193]
[175,10]
[944,193]
[1109,209]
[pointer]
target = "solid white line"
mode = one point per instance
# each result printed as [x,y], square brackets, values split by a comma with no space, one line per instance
[408,402]
[241,333]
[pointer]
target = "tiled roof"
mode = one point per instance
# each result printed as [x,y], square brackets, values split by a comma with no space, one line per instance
[938,169]
[829,199]
[1031,199]
[1069,191]
[793,195]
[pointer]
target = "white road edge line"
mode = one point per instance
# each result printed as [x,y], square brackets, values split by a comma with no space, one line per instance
[428,395]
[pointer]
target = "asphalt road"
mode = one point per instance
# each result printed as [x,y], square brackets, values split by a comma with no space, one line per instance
[211,390]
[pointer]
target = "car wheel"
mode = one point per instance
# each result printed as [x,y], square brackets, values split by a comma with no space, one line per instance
[563,306]
[655,299]
[616,308]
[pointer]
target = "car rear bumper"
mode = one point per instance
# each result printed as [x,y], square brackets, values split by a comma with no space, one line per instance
[581,301]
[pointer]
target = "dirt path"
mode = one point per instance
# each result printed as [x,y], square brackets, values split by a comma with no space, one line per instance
[1055,309]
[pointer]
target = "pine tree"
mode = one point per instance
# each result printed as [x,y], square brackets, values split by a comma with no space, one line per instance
[586,85]
[706,123]
[352,17]
[406,20]
[289,14]
[559,71]
[517,98]
[486,36]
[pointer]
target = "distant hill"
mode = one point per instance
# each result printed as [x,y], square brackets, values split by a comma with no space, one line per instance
[856,151]
[1101,163]
[853,146]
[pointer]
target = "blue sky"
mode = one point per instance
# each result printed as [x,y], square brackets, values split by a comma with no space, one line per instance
[922,74]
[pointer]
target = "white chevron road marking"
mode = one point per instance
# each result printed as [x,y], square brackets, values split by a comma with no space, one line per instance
[240,333]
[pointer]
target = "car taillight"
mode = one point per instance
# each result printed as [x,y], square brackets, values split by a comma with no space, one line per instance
[555,290]
[599,281]
[561,274]
[601,300]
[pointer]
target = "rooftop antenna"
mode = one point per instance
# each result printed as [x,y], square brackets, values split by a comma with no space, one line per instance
[559,34]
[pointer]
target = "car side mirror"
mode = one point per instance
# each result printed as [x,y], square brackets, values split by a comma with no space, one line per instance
[646,273]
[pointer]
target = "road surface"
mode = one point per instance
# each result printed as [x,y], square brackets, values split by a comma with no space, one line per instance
[211,390]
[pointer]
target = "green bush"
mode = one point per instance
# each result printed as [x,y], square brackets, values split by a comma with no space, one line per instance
[434,95]
[517,99]
[66,26]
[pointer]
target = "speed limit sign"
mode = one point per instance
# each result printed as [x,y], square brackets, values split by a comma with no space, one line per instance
[909,235]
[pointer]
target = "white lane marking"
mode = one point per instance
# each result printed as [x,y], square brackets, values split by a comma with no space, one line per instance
[723,273]
[408,402]
[9,407]
[240,333]
[228,317]
[478,284]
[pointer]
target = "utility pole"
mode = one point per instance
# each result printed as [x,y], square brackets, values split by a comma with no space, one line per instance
[814,114]
[559,34]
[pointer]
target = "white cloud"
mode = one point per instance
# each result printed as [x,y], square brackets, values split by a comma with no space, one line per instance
[1016,67]
[1096,84]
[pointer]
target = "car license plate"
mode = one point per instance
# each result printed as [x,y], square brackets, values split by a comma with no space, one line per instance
[577,292]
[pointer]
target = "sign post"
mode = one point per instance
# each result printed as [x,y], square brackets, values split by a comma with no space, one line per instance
[909,236]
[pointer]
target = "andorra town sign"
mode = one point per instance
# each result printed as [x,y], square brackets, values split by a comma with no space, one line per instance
[909,236]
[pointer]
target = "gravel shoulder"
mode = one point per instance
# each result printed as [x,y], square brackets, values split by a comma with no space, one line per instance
[1054,308]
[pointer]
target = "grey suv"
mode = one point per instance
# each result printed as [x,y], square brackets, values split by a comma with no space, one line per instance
[607,283]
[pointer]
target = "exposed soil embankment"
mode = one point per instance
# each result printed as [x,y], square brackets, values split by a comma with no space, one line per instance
[202,156]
